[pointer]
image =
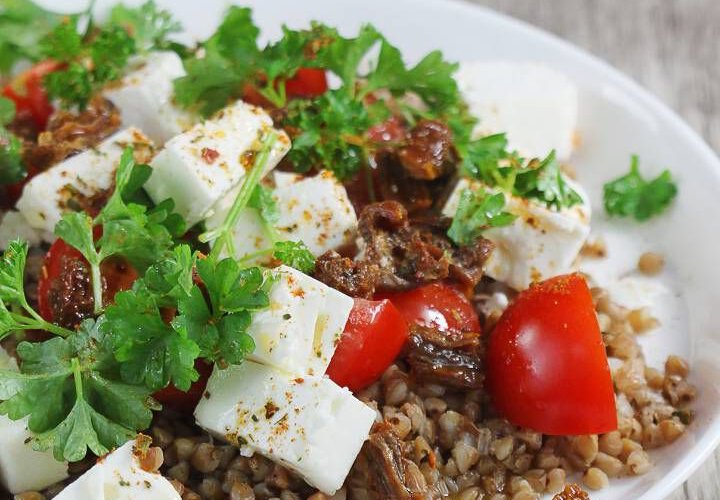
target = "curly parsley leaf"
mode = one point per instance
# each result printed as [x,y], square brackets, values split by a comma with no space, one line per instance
[72,401]
[431,78]
[23,25]
[543,181]
[331,128]
[219,324]
[295,254]
[149,351]
[90,62]
[342,55]
[631,195]
[148,24]
[478,211]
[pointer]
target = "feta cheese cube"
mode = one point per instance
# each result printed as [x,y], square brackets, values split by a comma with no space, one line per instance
[299,332]
[145,96]
[535,105]
[199,167]
[54,192]
[13,226]
[310,424]
[540,244]
[119,476]
[21,467]
[315,210]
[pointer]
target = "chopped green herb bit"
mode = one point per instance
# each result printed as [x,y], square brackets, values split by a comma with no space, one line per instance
[478,211]
[295,254]
[633,196]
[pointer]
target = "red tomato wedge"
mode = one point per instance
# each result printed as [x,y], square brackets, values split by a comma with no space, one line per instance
[374,335]
[117,274]
[186,401]
[28,93]
[436,305]
[307,82]
[546,364]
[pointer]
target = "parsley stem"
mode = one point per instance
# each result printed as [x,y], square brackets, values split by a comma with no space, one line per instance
[97,287]
[221,234]
[37,323]
[251,256]
[77,377]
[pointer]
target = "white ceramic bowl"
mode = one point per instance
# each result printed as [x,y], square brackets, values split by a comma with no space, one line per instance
[617,118]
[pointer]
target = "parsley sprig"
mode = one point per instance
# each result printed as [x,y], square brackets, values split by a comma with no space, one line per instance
[488,160]
[68,390]
[631,195]
[478,211]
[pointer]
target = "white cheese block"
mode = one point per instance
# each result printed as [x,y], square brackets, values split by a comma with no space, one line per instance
[536,106]
[315,210]
[51,194]
[145,96]
[199,167]
[13,226]
[300,330]
[310,425]
[119,476]
[540,244]
[21,467]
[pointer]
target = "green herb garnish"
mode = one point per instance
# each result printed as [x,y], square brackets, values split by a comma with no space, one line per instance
[478,211]
[633,196]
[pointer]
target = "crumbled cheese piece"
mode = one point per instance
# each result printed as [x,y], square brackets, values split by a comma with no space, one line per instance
[119,476]
[310,425]
[145,96]
[199,167]
[300,330]
[315,210]
[535,105]
[49,195]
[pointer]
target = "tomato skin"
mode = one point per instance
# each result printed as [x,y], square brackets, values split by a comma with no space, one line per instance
[546,363]
[186,402]
[117,274]
[374,335]
[307,82]
[28,93]
[436,305]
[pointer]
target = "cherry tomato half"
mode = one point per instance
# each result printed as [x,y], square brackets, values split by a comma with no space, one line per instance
[117,275]
[436,305]
[374,335]
[546,364]
[27,92]
[307,82]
